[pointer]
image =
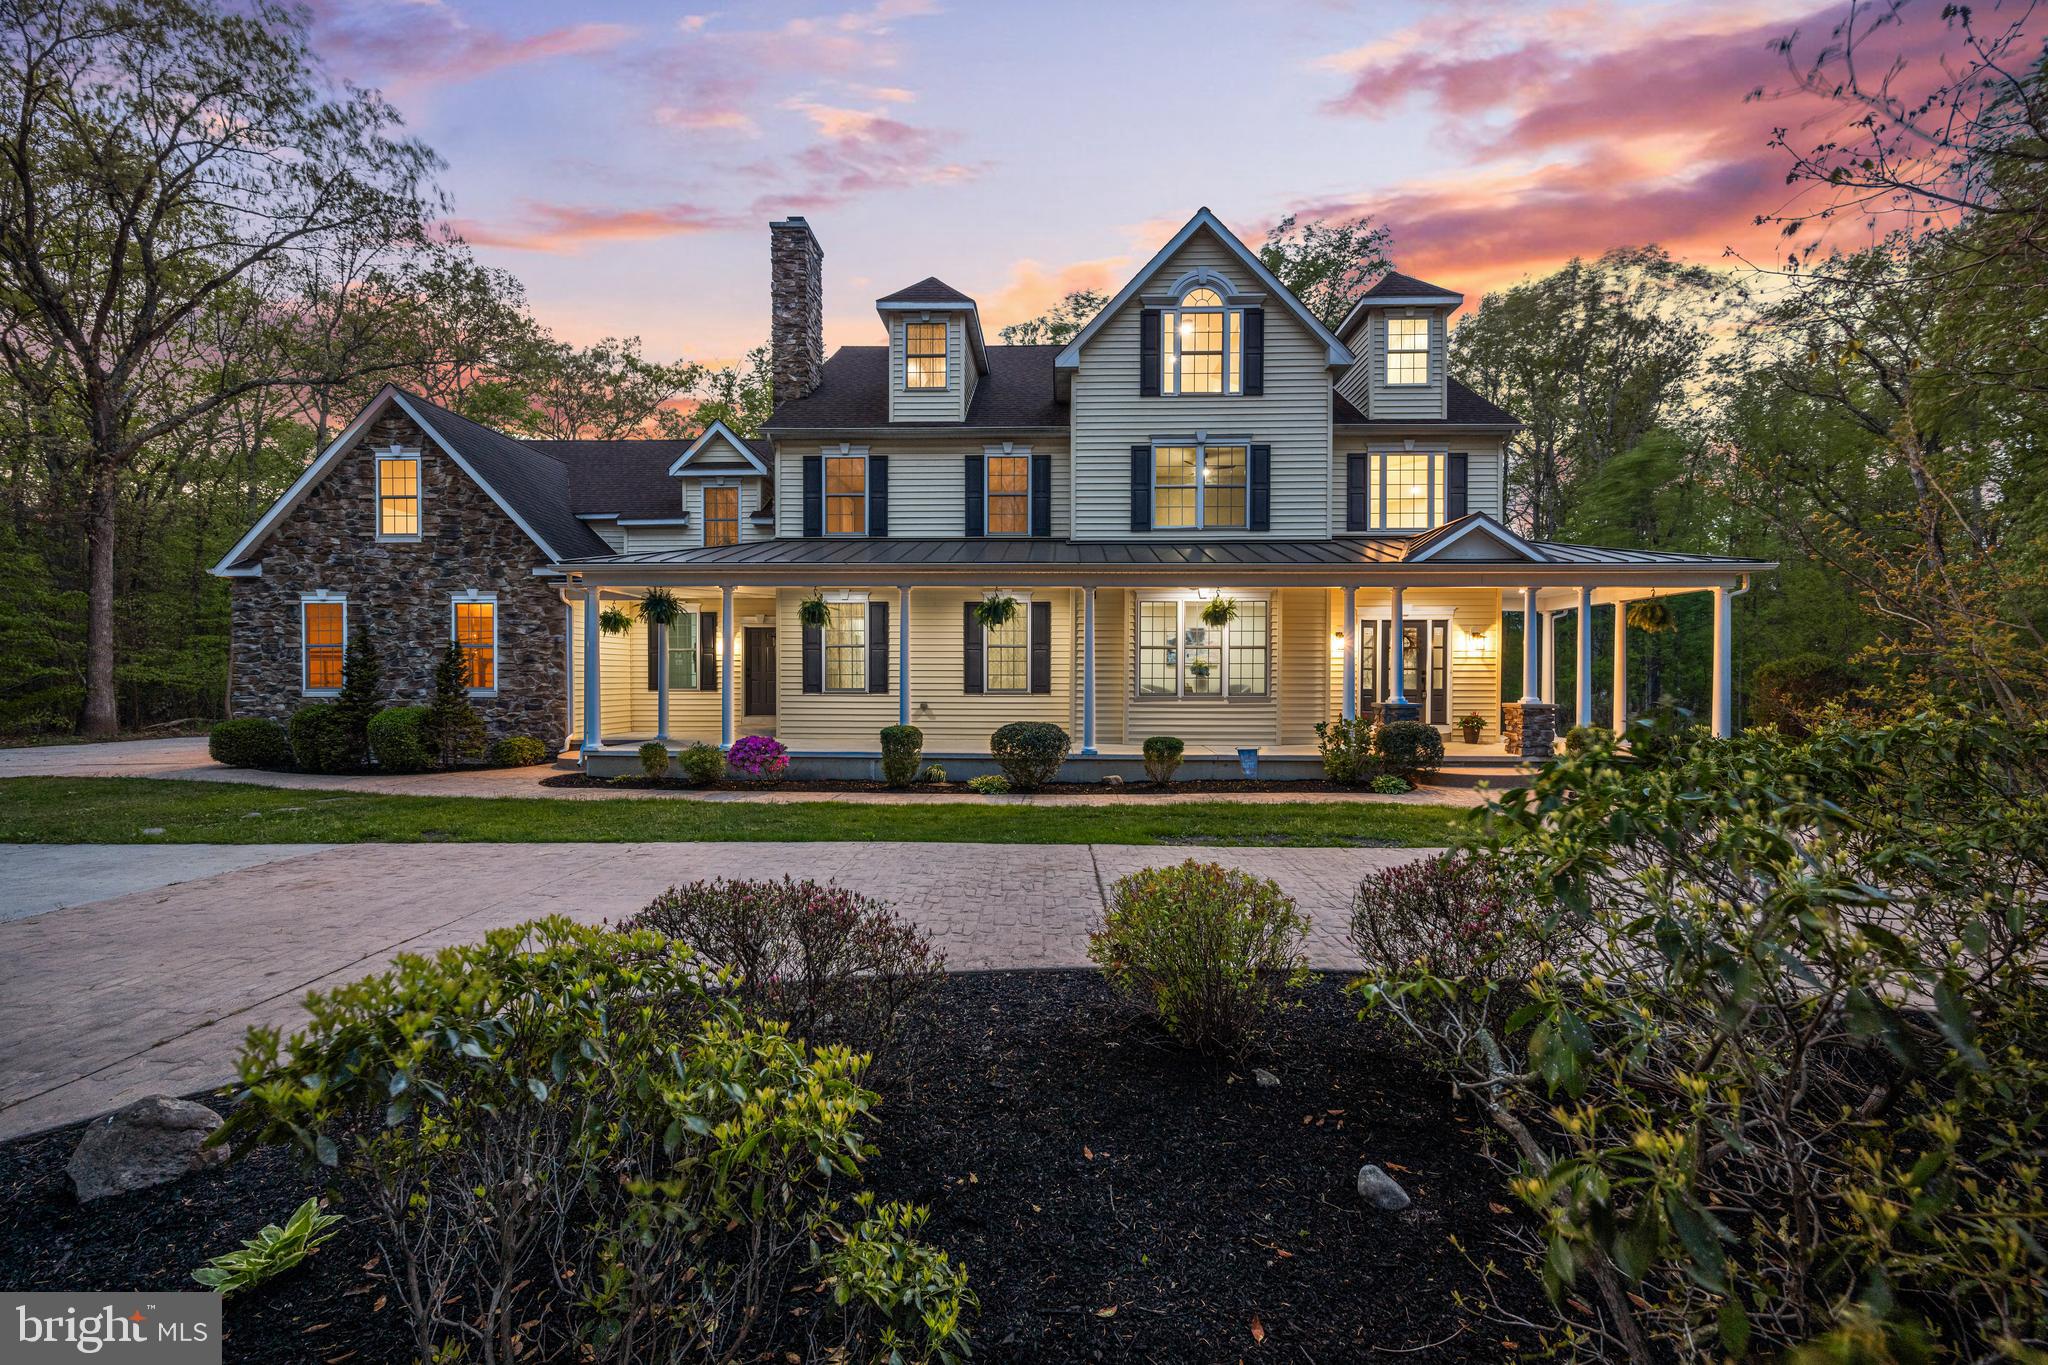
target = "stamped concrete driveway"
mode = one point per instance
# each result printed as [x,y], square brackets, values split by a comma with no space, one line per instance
[150,991]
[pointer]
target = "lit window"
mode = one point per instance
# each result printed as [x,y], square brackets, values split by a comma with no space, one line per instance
[721,516]
[1009,495]
[323,630]
[1407,492]
[1006,651]
[398,497]
[1180,654]
[1407,350]
[846,648]
[1199,486]
[1201,349]
[924,355]
[683,639]
[846,495]
[476,631]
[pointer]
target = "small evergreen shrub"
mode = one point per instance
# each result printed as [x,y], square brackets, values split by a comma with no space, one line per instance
[1162,757]
[1029,752]
[1347,747]
[398,739]
[519,751]
[1411,748]
[701,764]
[361,695]
[758,758]
[453,729]
[933,775]
[1204,949]
[1389,784]
[321,742]
[654,759]
[250,742]
[902,751]
[989,784]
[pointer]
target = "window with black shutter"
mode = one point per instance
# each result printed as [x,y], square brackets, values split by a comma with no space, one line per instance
[1456,480]
[973,513]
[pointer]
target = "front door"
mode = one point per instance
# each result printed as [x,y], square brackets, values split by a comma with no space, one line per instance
[760,670]
[1425,665]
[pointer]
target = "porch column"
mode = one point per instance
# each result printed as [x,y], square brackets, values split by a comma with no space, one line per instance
[1350,652]
[1550,656]
[593,739]
[1620,667]
[1724,664]
[1396,650]
[1088,669]
[903,656]
[1532,647]
[661,682]
[1585,651]
[725,669]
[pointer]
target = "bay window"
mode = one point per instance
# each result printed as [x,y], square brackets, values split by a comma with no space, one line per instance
[1201,345]
[1199,486]
[1181,655]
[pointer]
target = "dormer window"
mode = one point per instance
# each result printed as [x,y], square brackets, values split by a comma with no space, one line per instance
[1407,350]
[1200,347]
[924,355]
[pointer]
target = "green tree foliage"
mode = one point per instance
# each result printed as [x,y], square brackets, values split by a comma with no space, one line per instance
[741,396]
[1059,324]
[452,729]
[362,686]
[1326,264]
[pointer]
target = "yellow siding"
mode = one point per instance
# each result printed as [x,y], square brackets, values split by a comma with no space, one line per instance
[631,708]
[1305,687]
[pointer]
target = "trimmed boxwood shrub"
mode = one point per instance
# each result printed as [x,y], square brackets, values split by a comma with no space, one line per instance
[398,739]
[519,751]
[654,759]
[1162,757]
[321,740]
[1411,748]
[250,742]
[701,764]
[1029,752]
[902,751]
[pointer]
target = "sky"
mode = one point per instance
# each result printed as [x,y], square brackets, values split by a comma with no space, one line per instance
[624,160]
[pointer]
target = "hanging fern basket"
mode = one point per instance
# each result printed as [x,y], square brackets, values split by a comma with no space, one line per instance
[659,607]
[1652,616]
[814,612]
[614,621]
[995,612]
[1219,612]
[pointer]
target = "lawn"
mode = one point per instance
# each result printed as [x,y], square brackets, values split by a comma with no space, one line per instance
[137,810]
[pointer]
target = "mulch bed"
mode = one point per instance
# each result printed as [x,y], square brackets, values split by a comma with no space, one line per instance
[844,786]
[1112,1197]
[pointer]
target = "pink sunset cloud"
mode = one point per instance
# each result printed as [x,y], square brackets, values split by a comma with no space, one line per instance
[569,227]
[1032,287]
[406,45]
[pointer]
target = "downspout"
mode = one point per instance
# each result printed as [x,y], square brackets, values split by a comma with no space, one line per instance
[1734,701]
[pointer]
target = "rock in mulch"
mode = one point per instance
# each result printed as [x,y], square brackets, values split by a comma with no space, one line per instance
[1266,1079]
[1381,1190]
[151,1142]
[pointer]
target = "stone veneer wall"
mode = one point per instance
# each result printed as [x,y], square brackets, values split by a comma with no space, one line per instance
[402,590]
[796,308]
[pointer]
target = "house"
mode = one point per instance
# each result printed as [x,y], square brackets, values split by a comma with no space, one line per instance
[1205,439]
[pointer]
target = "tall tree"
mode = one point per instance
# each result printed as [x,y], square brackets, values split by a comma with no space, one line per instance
[604,391]
[173,174]
[741,396]
[1059,324]
[1325,264]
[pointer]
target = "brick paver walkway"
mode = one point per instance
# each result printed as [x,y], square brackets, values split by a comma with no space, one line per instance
[150,992]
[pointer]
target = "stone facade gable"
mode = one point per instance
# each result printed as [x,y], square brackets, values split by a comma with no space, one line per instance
[402,590]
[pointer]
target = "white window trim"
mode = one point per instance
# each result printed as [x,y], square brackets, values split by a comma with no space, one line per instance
[1201,441]
[1387,360]
[867,493]
[945,326]
[739,509]
[1023,601]
[1376,466]
[320,595]
[1006,449]
[497,658]
[845,599]
[691,643]
[1233,330]
[419,484]
[1193,602]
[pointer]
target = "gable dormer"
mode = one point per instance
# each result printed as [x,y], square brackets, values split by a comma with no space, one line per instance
[1400,333]
[936,353]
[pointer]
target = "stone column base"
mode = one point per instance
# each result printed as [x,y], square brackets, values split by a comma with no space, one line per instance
[1391,711]
[1529,728]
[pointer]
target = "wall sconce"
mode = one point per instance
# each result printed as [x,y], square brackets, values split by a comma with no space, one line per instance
[1474,644]
[1336,644]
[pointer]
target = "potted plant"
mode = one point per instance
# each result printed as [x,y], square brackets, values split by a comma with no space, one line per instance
[614,621]
[1652,616]
[814,613]
[659,607]
[995,611]
[1198,668]
[1471,724]
[1219,611]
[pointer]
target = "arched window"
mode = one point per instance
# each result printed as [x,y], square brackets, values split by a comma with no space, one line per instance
[1201,346]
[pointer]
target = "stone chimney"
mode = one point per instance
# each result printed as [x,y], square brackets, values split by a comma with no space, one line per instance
[796,298]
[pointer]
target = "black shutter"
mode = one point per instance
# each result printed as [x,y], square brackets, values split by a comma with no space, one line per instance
[1455,475]
[1041,495]
[970,653]
[814,495]
[707,651]
[878,646]
[1254,351]
[976,509]
[1141,488]
[1260,500]
[1041,647]
[1148,353]
[814,658]
[878,495]
[1356,472]
[654,634]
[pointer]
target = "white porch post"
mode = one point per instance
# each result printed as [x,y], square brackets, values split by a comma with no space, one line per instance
[725,668]
[1350,652]
[661,683]
[1396,647]
[903,656]
[593,737]
[1620,667]
[1549,656]
[1585,652]
[1088,669]
[1532,646]
[1724,664]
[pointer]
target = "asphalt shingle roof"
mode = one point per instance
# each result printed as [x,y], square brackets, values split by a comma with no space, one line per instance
[535,486]
[629,477]
[853,393]
[1462,408]
[930,289]
[1395,285]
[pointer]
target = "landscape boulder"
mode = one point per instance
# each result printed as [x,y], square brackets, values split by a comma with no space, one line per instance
[151,1142]
[1381,1190]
